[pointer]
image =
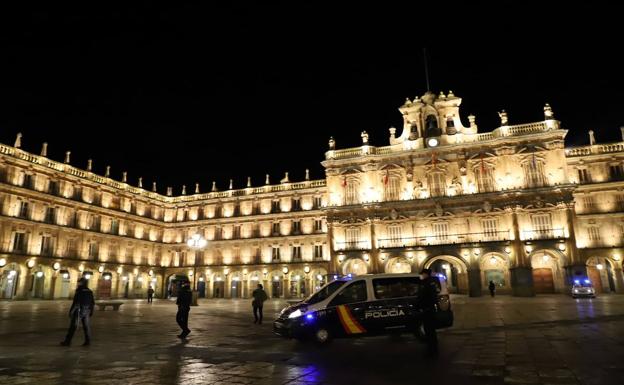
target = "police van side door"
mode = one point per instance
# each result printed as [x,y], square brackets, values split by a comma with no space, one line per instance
[397,299]
[348,308]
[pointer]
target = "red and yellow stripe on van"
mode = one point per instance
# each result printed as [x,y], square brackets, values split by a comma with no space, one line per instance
[348,321]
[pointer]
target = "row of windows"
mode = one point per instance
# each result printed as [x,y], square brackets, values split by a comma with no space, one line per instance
[616,173]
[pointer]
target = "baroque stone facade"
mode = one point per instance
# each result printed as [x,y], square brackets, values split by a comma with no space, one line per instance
[513,206]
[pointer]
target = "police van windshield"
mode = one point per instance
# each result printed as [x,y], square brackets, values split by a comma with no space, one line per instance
[324,292]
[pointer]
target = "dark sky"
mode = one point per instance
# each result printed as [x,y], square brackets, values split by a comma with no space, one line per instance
[185,93]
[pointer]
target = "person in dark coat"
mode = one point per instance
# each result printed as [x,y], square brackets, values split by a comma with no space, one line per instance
[428,299]
[259,296]
[492,288]
[150,294]
[80,310]
[184,307]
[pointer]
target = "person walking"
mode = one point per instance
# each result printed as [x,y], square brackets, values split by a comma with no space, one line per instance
[80,310]
[184,307]
[259,296]
[492,287]
[150,294]
[428,298]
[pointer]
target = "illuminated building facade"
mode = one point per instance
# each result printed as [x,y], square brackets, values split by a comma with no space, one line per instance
[513,206]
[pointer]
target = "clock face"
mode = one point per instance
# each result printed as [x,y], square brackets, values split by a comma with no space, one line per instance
[432,142]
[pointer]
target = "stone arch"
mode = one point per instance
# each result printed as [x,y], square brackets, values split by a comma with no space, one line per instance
[40,282]
[354,266]
[548,271]
[601,272]
[297,284]
[494,266]
[276,283]
[12,280]
[399,265]
[454,268]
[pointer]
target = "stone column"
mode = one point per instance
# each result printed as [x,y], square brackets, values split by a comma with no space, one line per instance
[619,280]
[521,273]
[576,267]
[374,253]
[286,288]
[333,265]
[474,282]
[227,287]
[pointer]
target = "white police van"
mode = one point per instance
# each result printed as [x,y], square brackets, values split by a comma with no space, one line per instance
[365,305]
[583,288]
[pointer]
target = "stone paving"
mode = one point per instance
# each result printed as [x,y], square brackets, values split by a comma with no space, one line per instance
[505,340]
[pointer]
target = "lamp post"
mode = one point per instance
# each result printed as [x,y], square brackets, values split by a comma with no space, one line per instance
[197,243]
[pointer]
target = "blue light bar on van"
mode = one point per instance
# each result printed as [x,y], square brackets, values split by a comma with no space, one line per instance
[577,281]
[587,281]
[310,317]
[349,275]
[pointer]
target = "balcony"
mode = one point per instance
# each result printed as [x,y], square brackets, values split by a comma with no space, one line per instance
[543,234]
[444,239]
[352,245]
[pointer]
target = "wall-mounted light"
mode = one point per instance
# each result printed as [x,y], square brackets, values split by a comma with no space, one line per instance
[201,279]
[366,257]
[319,277]
[88,275]
[31,263]
[39,274]
[150,273]
[56,266]
[136,271]
[493,260]
[3,262]
[190,273]
[561,246]
[101,268]
[124,278]
[476,251]
[140,279]
[107,276]
[65,275]
[306,269]
[340,258]
[119,270]
[285,270]
[81,268]
[545,258]
[528,248]
[508,249]
[599,266]
[226,271]
[616,257]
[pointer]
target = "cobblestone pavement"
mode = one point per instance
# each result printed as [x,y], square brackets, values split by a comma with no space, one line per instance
[505,340]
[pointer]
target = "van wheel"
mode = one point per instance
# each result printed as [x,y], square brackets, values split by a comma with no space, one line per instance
[322,336]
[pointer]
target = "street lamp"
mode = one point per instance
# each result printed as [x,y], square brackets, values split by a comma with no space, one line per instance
[196,242]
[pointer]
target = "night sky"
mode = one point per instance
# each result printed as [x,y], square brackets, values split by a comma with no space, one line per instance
[186,93]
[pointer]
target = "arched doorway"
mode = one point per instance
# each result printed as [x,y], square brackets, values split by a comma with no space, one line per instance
[354,266]
[236,285]
[39,280]
[9,279]
[547,271]
[276,285]
[218,286]
[297,284]
[495,267]
[318,278]
[398,265]
[454,269]
[600,273]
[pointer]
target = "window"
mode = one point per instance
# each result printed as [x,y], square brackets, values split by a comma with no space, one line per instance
[352,236]
[440,231]
[93,250]
[276,228]
[386,288]
[318,251]
[490,228]
[71,250]
[318,225]
[619,202]
[129,251]
[46,245]
[325,292]
[144,254]
[113,251]
[28,181]
[589,204]
[593,233]
[616,172]
[485,179]
[19,243]
[355,292]
[50,215]
[53,187]
[351,193]
[275,207]
[394,235]
[317,202]
[237,232]
[296,253]
[392,188]
[114,226]
[275,253]
[437,184]
[542,225]
[534,173]
[583,175]
[296,227]
[23,210]
[296,205]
